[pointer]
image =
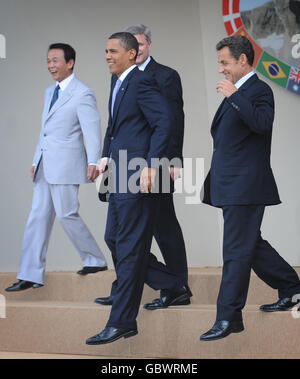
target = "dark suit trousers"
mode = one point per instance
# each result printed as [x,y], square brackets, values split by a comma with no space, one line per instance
[243,249]
[129,233]
[169,237]
[167,232]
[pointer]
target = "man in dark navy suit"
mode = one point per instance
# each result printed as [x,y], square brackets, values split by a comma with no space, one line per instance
[167,230]
[241,182]
[140,124]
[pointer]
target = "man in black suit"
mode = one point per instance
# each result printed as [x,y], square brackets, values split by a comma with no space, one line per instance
[167,231]
[241,182]
[139,124]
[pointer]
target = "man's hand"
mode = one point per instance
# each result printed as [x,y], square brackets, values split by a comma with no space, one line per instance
[92,172]
[147,179]
[175,173]
[102,165]
[226,87]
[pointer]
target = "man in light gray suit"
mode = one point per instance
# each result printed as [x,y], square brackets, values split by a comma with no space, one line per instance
[61,163]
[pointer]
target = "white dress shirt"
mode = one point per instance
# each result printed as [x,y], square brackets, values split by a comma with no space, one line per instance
[243,80]
[144,64]
[64,83]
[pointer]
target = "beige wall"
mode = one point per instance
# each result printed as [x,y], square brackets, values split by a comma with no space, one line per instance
[184,37]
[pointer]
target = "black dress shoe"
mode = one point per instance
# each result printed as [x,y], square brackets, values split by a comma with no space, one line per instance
[171,298]
[91,270]
[222,329]
[285,304]
[105,300]
[23,285]
[110,334]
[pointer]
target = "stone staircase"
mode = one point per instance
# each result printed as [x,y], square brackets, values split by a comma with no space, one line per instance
[58,318]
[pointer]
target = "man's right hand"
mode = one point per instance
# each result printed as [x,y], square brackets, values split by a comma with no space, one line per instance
[102,165]
[32,171]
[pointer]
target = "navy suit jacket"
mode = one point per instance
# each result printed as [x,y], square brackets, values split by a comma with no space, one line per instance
[141,125]
[240,171]
[169,83]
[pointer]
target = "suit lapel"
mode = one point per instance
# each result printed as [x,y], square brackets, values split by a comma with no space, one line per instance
[224,106]
[151,65]
[47,102]
[114,79]
[63,98]
[120,96]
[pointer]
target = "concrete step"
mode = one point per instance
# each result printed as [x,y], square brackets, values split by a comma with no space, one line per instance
[19,355]
[63,327]
[68,286]
[58,318]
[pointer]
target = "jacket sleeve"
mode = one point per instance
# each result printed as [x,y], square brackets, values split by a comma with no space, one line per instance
[157,112]
[89,119]
[256,112]
[172,90]
[37,153]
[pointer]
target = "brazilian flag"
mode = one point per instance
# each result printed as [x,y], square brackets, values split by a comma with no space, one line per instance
[274,69]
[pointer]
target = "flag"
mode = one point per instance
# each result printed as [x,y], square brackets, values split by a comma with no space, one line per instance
[231,15]
[274,69]
[294,81]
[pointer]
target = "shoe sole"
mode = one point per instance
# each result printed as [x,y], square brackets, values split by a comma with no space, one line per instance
[126,335]
[237,330]
[23,289]
[277,310]
[105,304]
[179,301]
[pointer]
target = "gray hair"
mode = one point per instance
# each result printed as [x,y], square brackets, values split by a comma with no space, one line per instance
[139,29]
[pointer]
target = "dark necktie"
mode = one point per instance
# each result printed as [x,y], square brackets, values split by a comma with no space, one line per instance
[55,96]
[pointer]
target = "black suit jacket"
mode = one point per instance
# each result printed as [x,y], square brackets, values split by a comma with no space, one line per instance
[240,171]
[141,125]
[169,83]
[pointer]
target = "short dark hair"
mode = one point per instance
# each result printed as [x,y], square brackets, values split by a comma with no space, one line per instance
[238,45]
[68,50]
[127,40]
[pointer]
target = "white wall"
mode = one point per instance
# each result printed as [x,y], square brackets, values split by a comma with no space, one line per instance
[184,37]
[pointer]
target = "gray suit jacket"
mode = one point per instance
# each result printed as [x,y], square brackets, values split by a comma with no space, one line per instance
[70,137]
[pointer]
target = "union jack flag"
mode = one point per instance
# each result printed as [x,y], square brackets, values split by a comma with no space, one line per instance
[295,75]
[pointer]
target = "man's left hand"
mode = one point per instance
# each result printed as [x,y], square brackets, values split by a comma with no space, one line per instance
[226,87]
[92,172]
[147,179]
[175,173]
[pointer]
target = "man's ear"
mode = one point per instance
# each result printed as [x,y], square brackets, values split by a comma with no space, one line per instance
[132,54]
[71,64]
[243,59]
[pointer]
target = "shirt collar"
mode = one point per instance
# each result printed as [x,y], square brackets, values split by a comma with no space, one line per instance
[243,80]
[144,64]
[126,72]
[64,83]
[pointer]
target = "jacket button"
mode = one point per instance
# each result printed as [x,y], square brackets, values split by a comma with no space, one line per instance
[112,138]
